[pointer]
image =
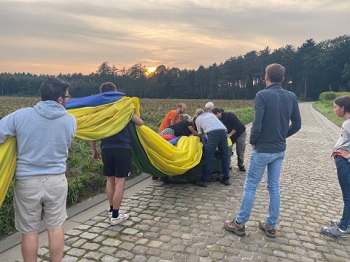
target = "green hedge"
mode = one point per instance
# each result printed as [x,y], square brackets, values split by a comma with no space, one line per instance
[327,96]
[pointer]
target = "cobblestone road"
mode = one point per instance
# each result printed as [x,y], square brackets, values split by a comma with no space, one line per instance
[172,222]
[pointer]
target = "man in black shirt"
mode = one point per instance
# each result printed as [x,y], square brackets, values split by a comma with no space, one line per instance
[236,132]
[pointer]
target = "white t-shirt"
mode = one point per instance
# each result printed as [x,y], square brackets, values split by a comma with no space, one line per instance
[207,122]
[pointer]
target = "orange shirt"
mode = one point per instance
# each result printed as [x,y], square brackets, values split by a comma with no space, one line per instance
[171,116]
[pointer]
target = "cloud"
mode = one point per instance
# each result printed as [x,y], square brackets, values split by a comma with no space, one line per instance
[73,35]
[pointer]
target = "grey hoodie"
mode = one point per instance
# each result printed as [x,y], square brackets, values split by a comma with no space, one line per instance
[43,134]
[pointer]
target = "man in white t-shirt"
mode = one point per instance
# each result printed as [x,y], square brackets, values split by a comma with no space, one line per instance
[208,124]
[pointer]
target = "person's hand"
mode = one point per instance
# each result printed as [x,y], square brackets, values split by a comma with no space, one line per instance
[96,155]
[344,153]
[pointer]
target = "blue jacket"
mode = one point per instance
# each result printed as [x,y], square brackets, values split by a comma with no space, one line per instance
[274,108]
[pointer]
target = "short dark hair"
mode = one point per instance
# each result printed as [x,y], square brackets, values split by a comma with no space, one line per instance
[275,72]
[108,86]
[52,88]
[343,101]
[216,110]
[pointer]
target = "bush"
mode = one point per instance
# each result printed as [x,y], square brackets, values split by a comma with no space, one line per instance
[327,96]
[330,96]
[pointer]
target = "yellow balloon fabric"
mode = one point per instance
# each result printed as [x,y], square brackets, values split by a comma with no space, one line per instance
[8,159]
[95,123]
[169,159]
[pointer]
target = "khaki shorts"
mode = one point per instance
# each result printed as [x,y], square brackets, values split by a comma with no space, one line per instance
[40,198]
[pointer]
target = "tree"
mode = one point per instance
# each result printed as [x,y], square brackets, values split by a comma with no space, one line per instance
[346,74]
[104,69]
[306,55]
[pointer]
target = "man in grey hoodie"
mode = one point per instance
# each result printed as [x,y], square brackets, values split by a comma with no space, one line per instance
[44,134]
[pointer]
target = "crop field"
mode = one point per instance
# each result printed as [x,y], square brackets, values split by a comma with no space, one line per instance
[152,110]
[8,104]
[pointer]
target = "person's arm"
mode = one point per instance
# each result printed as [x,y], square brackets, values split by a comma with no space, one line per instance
[259,110]
[174,117]
[95,153]
[201,136]
[7,127]
[295,118]
[231,133]
[138,121]
[193,131]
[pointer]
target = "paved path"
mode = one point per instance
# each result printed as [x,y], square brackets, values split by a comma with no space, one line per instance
[171,222]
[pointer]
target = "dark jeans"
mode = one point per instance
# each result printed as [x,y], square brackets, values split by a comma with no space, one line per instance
[343,170]
[216,138]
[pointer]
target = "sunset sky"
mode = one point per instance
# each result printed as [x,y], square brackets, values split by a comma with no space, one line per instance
[68,36]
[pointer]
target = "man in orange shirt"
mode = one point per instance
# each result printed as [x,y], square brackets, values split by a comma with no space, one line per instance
[172,117]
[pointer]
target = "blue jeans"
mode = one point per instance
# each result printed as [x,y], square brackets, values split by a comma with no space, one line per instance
[343,170]
[216,138]
[256,169]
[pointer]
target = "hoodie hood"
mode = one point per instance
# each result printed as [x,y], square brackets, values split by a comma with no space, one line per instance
[50,109]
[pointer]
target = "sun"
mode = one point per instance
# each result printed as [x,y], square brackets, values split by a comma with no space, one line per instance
[150,70]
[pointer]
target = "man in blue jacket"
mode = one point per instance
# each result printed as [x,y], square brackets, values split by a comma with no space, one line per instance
[274,108]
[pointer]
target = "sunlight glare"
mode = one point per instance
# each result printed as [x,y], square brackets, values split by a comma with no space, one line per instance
[151,69]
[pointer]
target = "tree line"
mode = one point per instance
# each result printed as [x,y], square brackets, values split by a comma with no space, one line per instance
[311,69]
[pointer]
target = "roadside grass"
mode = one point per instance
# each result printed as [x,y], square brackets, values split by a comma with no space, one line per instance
[326,109]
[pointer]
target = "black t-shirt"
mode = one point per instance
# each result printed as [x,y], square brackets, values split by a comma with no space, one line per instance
[231,121]
[181,128]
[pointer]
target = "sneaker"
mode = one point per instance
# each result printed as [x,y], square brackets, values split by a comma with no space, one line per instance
[238,229]
[269,231]
[333,231]
[109,213]
[336,222]
[117,220]
[225,182]
[242,168]
[201,183]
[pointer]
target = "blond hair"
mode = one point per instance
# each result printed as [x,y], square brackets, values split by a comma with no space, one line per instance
[184,117]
